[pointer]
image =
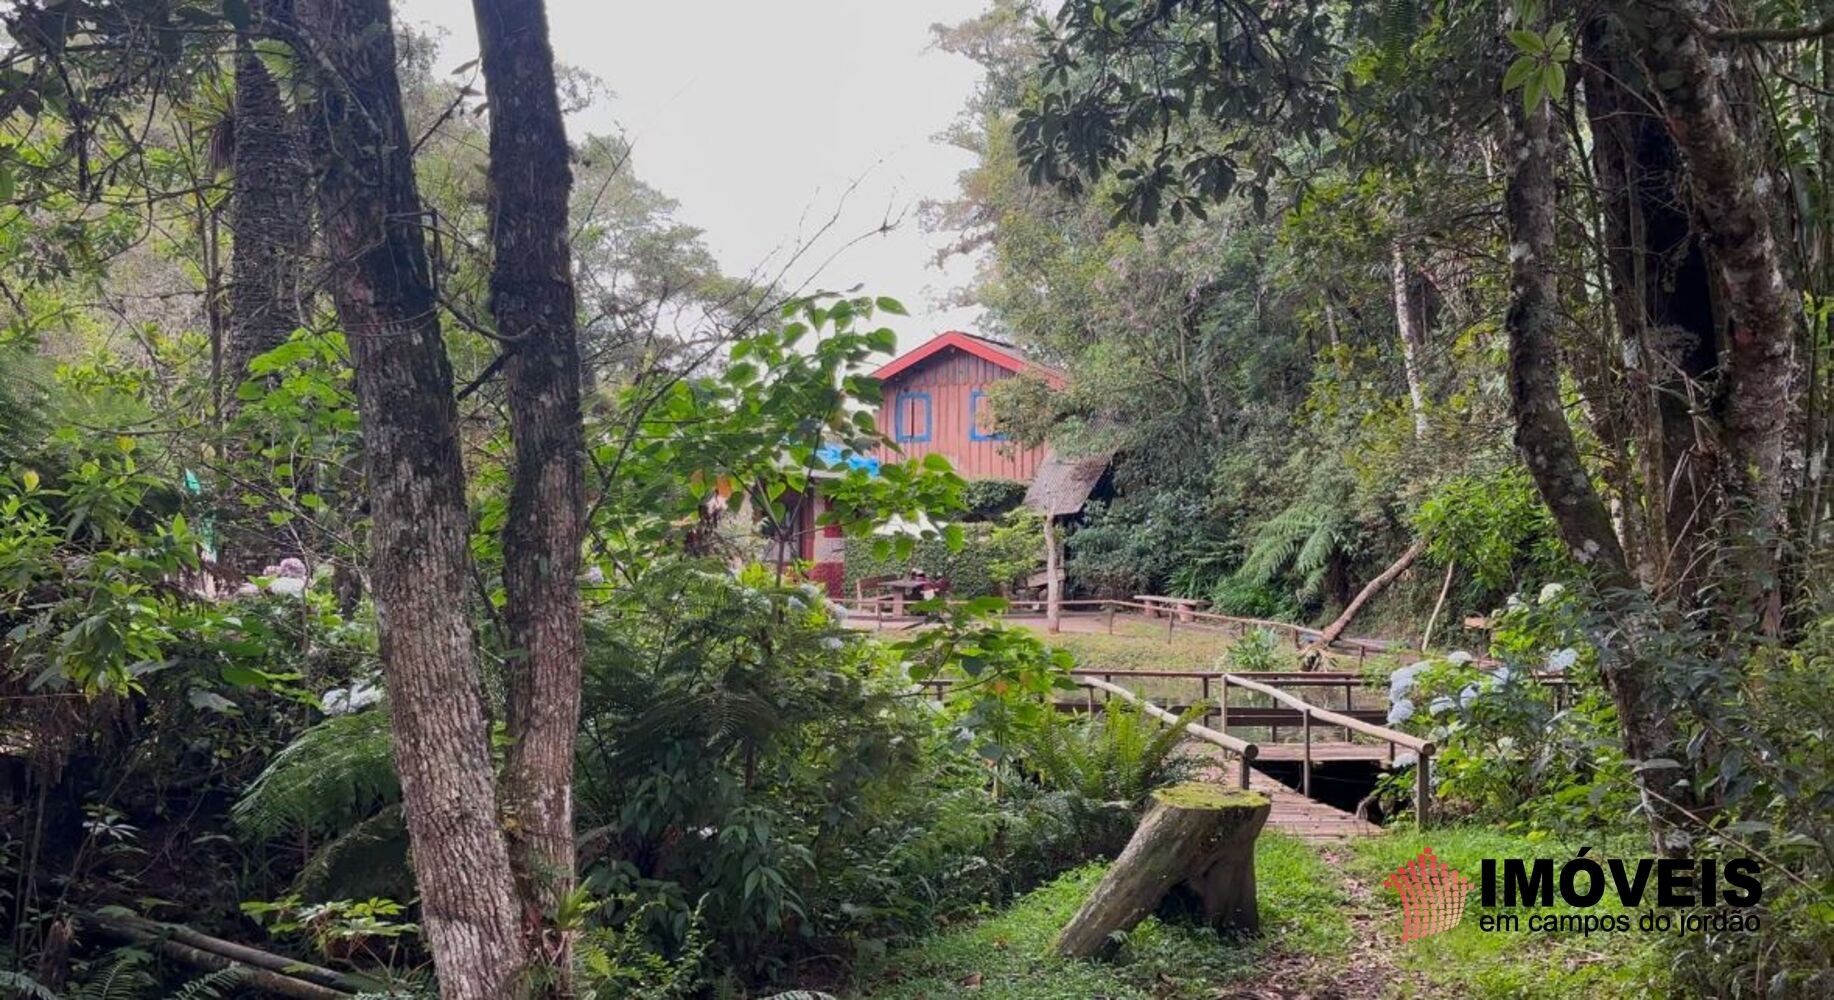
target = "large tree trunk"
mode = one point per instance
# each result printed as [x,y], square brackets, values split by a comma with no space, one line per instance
[1732,194]
[270,226]
[531,297]
[1373,587]
[268,217]
[1413,339]
[1196,839]
[1546,444]
[1664,303]
[382,285]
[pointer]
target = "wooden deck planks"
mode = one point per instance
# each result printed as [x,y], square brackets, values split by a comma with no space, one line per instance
[1324,753]
[1292,813]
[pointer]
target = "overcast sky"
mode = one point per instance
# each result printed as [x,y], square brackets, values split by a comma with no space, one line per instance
[758,116]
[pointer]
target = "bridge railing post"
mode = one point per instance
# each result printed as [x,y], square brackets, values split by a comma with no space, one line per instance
[1423,788]
[1305,768]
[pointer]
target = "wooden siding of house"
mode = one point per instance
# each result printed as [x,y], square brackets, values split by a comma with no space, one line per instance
[950,382]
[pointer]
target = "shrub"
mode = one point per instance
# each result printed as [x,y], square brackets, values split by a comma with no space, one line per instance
[989,499]
[1256,650]
[1105,765]
[1507,755]
[966,569]
[1133,545]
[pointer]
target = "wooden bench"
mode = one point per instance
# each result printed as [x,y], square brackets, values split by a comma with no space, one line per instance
[1178,606]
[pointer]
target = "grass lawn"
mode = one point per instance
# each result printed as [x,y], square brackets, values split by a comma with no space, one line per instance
[1466,961]
[1008,956]
[1145,645]
[1329,929]
[1138,645]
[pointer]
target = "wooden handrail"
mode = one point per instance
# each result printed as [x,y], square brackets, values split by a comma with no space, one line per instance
[1244,751]
[1328,717]
[1235,744]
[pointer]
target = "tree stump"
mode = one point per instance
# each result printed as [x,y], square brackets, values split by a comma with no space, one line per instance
[1195,836]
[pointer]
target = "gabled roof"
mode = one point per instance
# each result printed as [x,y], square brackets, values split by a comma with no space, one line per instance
[1004,355]
[1062,485]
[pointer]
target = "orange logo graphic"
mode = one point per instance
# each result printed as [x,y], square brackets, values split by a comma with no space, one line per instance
[1432,895]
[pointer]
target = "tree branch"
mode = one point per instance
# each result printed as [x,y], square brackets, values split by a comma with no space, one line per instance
[1759,36]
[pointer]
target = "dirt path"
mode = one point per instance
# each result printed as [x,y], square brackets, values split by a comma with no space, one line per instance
[1366,970]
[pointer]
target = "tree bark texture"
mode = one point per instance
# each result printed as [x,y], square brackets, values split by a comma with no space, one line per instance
[269,224]
[1666,308]
[381,283]
[1546,444]
[1194,838]
[1053,575]
[269,199]
[1413,341]
[1732,192]
[532,300]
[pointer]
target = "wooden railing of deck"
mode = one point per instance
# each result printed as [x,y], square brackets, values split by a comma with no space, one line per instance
[879,606]
[1310,713]
[1092,681]
[1245,752]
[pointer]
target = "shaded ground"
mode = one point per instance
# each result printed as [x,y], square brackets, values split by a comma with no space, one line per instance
[1331,931]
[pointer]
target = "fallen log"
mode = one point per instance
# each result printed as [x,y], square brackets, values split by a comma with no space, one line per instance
[274,974]
[1315,652]
[1196,840]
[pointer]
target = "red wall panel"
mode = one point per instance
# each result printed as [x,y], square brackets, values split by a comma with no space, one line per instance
[950,379]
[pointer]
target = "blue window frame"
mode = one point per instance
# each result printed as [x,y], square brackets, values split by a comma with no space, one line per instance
[975,433]
[911,421]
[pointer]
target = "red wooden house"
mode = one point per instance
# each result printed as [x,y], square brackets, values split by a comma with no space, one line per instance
[935,400]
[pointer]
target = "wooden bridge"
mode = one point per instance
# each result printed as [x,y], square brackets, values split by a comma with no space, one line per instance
[1259,703]
[1319,735]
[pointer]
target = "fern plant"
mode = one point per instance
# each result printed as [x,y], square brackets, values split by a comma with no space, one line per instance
[1301,541]
[1118,756]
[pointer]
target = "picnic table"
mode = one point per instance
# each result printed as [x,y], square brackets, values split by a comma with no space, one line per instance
[1181,607]
[904,589]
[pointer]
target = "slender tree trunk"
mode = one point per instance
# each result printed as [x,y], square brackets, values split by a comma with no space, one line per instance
[1413,344]
[531,297]
[1445,588]
[1053,576]
[269,222]
[382,285]
[1665,306]
[1732,194]
[1546,444]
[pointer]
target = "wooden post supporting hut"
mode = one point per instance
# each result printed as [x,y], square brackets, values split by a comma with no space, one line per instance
[1195,845]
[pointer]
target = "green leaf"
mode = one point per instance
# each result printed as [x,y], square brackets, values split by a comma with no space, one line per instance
[1519,72]
[1554,81]
[242,676]
[1528,41]
[6,183]
[890,305]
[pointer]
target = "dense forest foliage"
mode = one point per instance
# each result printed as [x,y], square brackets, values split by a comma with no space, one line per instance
[386,478]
